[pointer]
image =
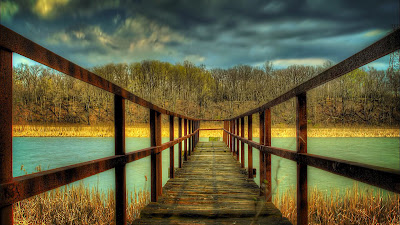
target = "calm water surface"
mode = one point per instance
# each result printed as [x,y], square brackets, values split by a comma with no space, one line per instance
[54,152]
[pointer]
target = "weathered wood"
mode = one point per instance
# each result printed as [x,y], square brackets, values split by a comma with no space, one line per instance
[171,149]
[233,138]
[224,133]
[185,132]
[262,154]
[267,130]
[6,172]
[180,143]
[237,140]
[211,188]
[120,173]
[242,162]
[156,166]
[301,140]
[250,149]
[190,139]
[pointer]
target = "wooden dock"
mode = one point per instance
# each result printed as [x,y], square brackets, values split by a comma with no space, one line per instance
[211,188]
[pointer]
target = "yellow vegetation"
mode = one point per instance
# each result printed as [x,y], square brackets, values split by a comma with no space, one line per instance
[355,206]
[143,130]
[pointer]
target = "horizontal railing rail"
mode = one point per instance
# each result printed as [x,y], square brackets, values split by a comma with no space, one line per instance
[14,189]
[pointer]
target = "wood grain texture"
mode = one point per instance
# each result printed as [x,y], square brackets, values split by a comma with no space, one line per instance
[211,188]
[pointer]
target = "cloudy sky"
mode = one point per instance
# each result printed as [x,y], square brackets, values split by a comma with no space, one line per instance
[216,33]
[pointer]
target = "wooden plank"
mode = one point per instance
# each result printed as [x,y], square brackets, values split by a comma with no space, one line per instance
[171,149]
[301,142]
[6,172]
[211,187]
[120,173]
[250,149]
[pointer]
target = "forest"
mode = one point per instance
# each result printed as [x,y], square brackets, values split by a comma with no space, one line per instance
[363,97]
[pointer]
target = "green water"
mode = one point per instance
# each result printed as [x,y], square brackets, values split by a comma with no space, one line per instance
[61,151]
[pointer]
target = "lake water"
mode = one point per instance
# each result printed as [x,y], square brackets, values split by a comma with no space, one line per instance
[54,152]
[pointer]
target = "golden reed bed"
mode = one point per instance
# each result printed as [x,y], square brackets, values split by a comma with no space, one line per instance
[143,130]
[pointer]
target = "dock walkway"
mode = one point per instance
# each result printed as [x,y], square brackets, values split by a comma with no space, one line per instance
[211,188]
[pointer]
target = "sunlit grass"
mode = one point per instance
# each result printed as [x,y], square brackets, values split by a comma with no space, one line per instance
[354,206]
[76,204]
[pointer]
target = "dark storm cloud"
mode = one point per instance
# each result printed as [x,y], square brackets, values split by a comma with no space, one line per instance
[217,33]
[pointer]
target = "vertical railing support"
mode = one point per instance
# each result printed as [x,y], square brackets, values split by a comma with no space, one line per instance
[224,134]
[301,142]
[156,166]
[231,130]
[267,129]
[250,149]
[171,149]
[120,172]
[193,137]
[262,154]
[180,143]
[233,138]
[190,139]
[242,143]
[186,142]
[237,140]
[6,172]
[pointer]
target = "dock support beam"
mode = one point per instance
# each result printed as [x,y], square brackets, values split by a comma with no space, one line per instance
[120,172]
[6,173]
[301,142]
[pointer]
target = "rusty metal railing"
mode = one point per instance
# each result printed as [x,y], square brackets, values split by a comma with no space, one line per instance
[16,189]
[385,178]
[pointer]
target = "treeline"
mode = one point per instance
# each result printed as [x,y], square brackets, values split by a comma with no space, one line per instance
[362,97]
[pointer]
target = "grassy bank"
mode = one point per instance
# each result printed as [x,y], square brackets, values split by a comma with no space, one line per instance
[76,205]
[142,130]
[354,207]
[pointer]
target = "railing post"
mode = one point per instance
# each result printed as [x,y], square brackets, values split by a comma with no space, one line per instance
[190,139]
[231,130]
[120,174]
[224,133]
[171,149]
[242,143]
[262,155]
[237,140]
[233,138]
[180,143]
[267,164]
[193,137]
[156,166]
[301,142]
[185,133]
[250,149]
[6,173]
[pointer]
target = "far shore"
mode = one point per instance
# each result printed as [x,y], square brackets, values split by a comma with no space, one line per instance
[142,130]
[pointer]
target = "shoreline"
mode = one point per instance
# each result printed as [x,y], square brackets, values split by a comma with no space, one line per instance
[141,130]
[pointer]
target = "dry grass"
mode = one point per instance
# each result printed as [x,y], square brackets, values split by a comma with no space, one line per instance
[76,205]
[354,206]
[143,130]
